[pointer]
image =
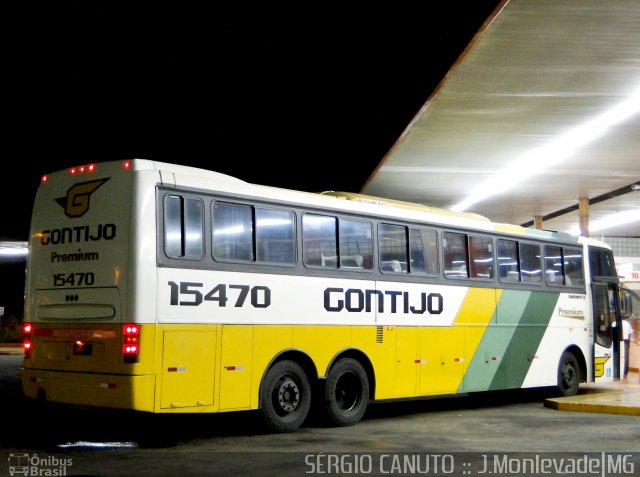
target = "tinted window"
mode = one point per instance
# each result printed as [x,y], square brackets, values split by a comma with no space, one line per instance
[423,250]
[232,232]
[530,263]
[455,255]
[392,240]
[553,265]
[601,263]
[481,257]
[356,244]
[508,264]
[183,227]
[320,247]
[573,267]
[275,236]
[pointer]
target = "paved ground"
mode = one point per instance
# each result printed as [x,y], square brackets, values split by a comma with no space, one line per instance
[464,434]
[619,397]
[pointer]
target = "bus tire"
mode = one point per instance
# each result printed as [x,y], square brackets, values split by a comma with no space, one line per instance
[568,375]
[346,392]
[285,397]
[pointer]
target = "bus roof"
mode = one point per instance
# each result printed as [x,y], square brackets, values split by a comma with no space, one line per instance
[188,176]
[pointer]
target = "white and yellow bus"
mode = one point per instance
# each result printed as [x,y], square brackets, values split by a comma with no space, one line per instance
[167,289]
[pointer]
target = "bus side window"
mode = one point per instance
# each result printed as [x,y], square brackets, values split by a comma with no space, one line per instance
[530,263]
[508,263]
[553,265]
[183,227]
[320,243]
[455,255]
[481,257]
[232,232]
[392,241]
[423,250]
[355,244]
[573,271]
[275,236]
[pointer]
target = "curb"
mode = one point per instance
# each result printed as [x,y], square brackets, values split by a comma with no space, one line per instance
[618,397]
[10,348]
[615,406]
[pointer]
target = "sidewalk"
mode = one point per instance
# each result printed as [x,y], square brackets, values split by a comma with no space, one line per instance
[618,397]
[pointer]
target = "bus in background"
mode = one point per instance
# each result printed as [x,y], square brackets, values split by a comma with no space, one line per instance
[629,274]
[166,289]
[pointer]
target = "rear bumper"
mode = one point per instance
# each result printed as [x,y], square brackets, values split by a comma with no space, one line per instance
[96,390]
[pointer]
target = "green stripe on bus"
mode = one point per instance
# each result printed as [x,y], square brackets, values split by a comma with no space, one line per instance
[489,355]
[525,340]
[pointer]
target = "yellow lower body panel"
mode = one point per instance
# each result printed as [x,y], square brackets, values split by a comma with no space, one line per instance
[82,389]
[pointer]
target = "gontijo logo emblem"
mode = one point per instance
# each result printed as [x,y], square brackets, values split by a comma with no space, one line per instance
[76,203]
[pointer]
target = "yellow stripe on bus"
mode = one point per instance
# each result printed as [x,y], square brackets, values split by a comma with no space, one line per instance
[477,311]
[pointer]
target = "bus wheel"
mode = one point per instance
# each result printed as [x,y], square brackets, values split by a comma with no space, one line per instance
[285,396]
[568,375]
[346,392]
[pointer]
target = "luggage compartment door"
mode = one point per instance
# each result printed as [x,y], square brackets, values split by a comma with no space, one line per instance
[188,365]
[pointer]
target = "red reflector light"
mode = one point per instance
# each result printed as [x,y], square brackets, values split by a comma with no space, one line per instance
[26,344]
[126,165]
[45,178]
[82,169]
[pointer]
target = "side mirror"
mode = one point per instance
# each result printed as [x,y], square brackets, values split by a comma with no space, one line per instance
[626,303]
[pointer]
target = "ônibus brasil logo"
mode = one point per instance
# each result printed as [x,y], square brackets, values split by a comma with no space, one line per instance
[76,202]
[22,463]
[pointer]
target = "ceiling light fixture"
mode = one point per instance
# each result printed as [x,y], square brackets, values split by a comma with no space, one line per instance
[14,249]
[536,161]
[614,220]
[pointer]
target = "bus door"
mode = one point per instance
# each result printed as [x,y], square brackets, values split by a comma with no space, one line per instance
[607,320]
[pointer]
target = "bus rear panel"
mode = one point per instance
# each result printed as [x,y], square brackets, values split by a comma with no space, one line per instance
[81,345]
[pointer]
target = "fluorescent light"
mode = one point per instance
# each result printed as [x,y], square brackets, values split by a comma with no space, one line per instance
[14,249]
[537,160]
[614,220]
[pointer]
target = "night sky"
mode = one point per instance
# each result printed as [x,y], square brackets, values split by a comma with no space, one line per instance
[308,99]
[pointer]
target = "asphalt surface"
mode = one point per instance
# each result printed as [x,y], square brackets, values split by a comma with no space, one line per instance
[465,435]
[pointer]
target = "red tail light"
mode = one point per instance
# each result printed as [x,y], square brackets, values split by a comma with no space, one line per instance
[26,343]
[131,345]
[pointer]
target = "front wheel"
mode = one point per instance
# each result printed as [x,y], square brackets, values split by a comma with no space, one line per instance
[286,396]
[346,392]
[568,375]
